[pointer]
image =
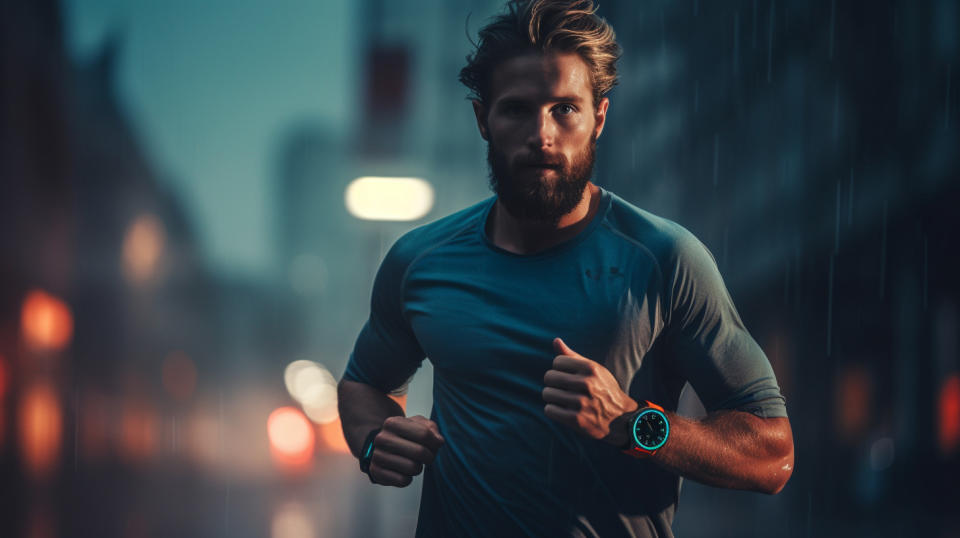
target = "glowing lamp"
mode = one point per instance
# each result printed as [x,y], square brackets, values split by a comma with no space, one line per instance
[389,198]
[314,388]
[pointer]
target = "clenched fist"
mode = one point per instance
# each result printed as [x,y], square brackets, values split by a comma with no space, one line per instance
[401,449]
[585,396]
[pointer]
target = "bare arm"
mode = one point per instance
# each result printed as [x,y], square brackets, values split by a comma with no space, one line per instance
[362,410]
[728,448]
[403,445]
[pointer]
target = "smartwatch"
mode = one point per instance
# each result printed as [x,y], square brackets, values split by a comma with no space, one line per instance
[366,453]
[647,430]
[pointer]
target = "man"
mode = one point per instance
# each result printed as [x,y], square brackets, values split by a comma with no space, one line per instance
[562,323]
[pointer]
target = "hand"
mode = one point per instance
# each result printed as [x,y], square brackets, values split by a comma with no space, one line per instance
[585,396]
[401,449]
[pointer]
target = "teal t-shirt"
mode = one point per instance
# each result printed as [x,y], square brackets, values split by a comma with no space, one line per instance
[632,291]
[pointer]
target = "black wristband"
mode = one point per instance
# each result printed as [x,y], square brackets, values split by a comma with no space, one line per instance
[366,453]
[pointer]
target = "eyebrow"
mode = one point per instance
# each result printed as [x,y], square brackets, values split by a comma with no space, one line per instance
[551,99]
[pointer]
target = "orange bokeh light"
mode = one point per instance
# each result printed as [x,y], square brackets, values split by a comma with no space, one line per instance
[142,248]
[40,424]
[949,430]
[292,438]
[138,431]
[45,321]
[179,376]
[3,392]
[854,391]
[4,381]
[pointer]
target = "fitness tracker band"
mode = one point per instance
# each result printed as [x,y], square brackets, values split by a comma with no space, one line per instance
[647,430]
[366,453]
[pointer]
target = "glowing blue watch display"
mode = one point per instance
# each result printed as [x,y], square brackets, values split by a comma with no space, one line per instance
[650,429]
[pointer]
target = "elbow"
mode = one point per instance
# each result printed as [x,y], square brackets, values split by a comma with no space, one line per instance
[779,472]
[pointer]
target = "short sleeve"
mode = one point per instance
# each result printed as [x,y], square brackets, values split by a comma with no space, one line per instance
[386,354]
[711,346]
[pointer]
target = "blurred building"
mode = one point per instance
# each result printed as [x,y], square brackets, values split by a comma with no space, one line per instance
[100,282]
[812,147]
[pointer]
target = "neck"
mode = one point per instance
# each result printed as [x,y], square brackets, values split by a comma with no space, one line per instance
[522,236]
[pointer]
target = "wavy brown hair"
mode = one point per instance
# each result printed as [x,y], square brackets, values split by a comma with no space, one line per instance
[544,25]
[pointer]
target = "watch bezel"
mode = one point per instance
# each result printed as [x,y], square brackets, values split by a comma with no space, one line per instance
[636,420]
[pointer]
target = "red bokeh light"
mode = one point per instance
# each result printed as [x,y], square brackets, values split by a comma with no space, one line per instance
[949,408]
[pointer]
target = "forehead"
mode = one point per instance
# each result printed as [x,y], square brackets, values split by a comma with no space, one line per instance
[541,77]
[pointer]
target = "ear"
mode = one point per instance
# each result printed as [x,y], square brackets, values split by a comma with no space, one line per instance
[600,116]
[480,112]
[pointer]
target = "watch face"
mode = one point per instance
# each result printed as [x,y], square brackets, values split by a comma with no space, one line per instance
[650,429]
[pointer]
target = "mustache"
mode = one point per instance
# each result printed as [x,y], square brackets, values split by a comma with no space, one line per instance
[541,159]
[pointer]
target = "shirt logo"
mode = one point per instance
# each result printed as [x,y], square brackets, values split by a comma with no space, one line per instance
[597,274]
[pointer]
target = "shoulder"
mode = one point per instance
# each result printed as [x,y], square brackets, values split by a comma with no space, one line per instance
[424,238]
[669,243]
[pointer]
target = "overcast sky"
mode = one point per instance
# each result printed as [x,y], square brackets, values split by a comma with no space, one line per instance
[210,85]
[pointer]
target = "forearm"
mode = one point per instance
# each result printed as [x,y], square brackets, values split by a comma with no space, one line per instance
[730,449]
[363,408]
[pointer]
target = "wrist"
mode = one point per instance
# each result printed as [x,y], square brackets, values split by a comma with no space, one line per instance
[648,430]
[619,434]
[366,453]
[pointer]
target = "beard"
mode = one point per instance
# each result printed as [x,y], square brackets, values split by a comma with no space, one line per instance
[527,195]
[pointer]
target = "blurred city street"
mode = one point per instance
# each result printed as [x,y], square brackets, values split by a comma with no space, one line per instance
[195,198]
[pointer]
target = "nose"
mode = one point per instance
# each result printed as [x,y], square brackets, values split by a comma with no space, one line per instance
[543,133]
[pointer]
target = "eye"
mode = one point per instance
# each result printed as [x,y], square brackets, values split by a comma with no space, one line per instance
[514,109]
[565,109]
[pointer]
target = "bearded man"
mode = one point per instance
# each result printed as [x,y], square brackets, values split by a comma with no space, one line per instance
[562,323]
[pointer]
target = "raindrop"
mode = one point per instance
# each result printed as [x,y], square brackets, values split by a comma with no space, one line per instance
[850,201]
[663,37]
[946,105]
[836,112]
[925,266]
[833,20]
[76,423]
[830,306]
[726,242]
[786,283]
[836,227]
[696,7]
[883,251]
[696,95]
[716,156]
[773,7]
[736,42]
[753,37]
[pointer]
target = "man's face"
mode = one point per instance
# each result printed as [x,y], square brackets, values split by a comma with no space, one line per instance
[541,128]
